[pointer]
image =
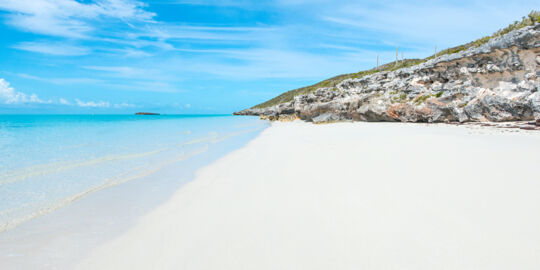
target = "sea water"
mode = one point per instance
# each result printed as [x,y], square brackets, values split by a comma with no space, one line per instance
[50,161]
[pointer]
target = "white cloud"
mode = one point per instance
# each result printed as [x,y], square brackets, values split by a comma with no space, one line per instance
[64,102]
[129,52]
[153,78]
[123,105]
[92,104]
[231,3]
[52,48]
[70,18]
[164,31]
[444,22]
[120,71]
[96,104]
[307,39]
[60,81]
[9,96]
[272,63]
[144,86]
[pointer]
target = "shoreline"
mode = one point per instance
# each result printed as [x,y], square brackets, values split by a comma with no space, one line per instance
[523,125]
[61,238]
[349,196]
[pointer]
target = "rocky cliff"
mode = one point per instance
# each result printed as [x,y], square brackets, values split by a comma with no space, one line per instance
[497,81]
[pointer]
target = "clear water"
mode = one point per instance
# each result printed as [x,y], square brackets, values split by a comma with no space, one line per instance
[48,161]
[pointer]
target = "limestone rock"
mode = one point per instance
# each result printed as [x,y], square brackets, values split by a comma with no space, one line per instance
[496,81]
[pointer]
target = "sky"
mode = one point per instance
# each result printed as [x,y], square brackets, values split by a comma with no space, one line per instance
[207,57]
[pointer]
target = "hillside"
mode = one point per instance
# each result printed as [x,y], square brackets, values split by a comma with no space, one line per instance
[503,66]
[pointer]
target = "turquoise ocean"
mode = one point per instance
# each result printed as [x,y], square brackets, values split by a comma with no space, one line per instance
[50,161]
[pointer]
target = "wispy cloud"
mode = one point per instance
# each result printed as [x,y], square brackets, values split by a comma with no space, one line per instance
[188,49]
[226,3]
[100,104]
[102,20]
[415,21]
[53,48]
[121,71]
[93,104]
[63,101]
[61,81]
[154,78]
[145,86]
[97,104]
[70,18]
[256,64]
[129,52]
[211,33]
[124,105]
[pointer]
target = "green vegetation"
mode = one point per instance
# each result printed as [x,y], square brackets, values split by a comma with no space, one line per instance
[288,96]
[421,99]
[332,82]
[532,18]
[399,98]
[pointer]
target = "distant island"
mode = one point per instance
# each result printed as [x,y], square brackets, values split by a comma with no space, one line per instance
[146,113]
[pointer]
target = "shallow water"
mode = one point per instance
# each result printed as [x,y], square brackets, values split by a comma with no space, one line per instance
[49,161]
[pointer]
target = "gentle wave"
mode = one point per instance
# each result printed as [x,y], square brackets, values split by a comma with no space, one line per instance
[113,181]
[62,159]
[43,169]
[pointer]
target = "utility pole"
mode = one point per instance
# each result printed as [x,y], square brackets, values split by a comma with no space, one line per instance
[377,61]
[397,51]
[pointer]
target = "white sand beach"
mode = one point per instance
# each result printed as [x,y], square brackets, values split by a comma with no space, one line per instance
[349,196]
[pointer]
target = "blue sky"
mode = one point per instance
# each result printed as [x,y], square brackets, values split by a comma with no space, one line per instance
[195,56]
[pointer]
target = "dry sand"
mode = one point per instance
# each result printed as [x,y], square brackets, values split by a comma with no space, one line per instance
[350,196]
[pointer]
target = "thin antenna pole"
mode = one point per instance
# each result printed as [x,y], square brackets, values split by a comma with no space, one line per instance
[377,61]
[397,51]
[435,50]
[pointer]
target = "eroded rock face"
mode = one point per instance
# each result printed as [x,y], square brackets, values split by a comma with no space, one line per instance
[497,81]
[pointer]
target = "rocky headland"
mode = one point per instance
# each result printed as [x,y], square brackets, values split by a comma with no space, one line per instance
[497,81]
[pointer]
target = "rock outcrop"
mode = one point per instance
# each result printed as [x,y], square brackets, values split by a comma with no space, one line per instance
[498,81]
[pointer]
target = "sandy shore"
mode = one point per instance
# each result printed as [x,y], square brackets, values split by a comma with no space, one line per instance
[350,196]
